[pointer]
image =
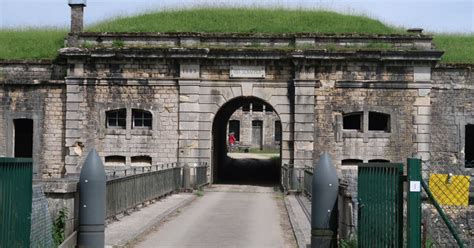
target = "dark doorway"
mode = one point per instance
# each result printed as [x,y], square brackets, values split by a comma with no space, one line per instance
[257,134]
[234,127]
[469,146]
[239,168]
[23,138]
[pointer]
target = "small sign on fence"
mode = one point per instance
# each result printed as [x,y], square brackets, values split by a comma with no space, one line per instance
[449,189]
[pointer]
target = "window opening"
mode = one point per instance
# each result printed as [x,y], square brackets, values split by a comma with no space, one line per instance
[379,161]
[23,146]
[141,118]
[257,134]
[234,127]
[379,122]
[469,146]
[141,161]
[352,121]
[115,161]
[277,132]
[257,107]
[116,118]
[351,162]
[268,108]
[246,107]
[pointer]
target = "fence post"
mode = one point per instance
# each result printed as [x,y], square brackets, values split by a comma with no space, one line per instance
[186,177]
[414,203]
[294,179]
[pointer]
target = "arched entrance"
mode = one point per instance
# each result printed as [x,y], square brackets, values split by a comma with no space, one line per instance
[248,169]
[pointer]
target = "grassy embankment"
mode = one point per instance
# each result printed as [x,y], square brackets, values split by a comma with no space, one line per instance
[30,43]
[44,43]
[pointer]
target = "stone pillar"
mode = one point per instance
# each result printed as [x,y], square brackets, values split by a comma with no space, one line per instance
[304,118]
[190,135]
[77,20]
[74,117]
[422,113]
[77,15]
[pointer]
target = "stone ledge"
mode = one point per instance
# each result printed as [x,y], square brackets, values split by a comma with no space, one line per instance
[60,186]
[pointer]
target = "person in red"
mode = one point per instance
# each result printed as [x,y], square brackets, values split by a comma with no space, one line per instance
[231,141]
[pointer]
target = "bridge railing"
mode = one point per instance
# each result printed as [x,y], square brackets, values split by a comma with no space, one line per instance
[307,181]
[129,187]
[285,177]
[200,175]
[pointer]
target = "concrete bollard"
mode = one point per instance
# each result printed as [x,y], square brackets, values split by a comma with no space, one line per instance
[186,177]
[325,188]
[92,202]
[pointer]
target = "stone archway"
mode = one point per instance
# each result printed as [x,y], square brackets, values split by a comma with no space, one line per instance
[226,169]
[200,100]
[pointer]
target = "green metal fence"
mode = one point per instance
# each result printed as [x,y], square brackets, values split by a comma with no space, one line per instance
[380,196]
[16,176]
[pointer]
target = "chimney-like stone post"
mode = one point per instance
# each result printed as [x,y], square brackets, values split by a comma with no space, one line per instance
[77,20]
[77,15]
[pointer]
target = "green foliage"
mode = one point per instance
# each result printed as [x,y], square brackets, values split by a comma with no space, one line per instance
[459,48]
[43,43]
[348,243]
[117,44]
[244,20]
[31,43]
[199,193]
[59,226]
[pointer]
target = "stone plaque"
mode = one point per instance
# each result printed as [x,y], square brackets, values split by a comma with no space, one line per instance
[237,71]
[189,71]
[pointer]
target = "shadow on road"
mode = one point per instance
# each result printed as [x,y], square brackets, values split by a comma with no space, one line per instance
[250,171]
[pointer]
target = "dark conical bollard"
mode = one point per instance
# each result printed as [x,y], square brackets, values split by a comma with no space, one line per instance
[92,193]
[325,188]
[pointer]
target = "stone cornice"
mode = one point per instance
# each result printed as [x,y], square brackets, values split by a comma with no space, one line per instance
[260,54]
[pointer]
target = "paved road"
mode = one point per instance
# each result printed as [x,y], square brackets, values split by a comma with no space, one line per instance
[227,216]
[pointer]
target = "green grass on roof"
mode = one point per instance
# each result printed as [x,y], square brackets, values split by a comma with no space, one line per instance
[40,43]
[30,43]
[244,20]
[458,48]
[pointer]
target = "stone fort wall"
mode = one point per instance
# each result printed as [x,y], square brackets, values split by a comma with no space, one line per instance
[312,91]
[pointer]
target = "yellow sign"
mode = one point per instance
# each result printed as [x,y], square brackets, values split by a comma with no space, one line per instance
[449,189]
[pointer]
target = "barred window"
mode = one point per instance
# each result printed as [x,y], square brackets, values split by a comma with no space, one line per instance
[141,118]
[116,118]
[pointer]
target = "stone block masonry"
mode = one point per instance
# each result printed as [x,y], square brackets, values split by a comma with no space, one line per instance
[100,97]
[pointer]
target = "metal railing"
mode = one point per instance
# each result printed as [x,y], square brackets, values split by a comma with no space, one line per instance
[15,201]
[307,181]
[129,187]
[285,177]
[200,175]
[120,171]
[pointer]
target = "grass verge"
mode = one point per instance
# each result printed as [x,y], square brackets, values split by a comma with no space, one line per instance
[459,48]
[31,43]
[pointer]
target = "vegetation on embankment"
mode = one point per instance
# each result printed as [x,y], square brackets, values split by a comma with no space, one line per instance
[244,20]
[31,43]
[459,48]
[41,43]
